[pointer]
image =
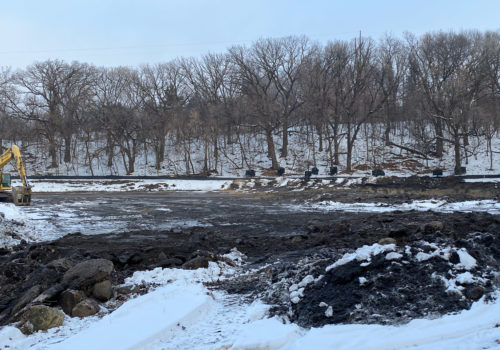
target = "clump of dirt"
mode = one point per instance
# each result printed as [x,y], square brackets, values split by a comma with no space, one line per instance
[393,285]
[415,281]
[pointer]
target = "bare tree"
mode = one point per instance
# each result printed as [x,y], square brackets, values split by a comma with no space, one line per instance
[160,90]
[260,94]
[447,71]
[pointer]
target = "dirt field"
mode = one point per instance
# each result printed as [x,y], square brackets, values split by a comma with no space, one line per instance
[284,246]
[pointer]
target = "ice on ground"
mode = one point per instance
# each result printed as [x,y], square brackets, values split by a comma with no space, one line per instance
[490,206]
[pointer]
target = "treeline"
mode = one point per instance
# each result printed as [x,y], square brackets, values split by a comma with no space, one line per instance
[444,86]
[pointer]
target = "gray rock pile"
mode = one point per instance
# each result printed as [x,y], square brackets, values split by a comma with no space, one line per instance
[75,288]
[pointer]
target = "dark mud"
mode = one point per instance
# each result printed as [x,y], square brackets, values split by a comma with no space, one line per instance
[284,246]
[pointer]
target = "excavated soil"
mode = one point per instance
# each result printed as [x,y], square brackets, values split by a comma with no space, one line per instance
[284,246]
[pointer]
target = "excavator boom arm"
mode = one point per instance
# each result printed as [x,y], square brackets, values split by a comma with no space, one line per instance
[8,155]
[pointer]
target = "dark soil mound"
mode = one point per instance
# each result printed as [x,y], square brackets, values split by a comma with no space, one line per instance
[422,279]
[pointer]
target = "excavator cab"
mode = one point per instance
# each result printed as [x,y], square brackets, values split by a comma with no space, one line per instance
[6,183]
[20,195]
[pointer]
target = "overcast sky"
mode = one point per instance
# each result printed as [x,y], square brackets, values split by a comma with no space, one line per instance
[132,32]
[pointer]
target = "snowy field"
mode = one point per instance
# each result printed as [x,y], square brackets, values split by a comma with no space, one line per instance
[128,185]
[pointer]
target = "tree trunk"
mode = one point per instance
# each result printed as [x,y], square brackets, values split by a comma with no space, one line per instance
[284,149]
[53,153]
[271,151]
[163,141]
[456,143]
[67,149]
[439,140]
[109,149]
[488,141]
[349,156]
[387,133]
[216,153]
[320,138]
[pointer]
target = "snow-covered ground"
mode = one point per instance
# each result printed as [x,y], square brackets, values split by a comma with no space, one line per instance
[437,205]
[128,185]
[369,153]
[181,313]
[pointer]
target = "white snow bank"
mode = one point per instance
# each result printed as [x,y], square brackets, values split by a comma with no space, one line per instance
[268,333]
[183,314]
[128,185]
[470,329]
[490,206]
[158,314]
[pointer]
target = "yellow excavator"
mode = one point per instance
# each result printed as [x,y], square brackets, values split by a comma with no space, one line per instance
[20,195]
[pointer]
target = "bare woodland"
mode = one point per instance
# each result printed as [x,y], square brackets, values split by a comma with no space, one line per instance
[442,88]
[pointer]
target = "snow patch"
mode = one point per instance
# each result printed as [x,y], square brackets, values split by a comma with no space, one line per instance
[466,261]
[490,206]
[362,254]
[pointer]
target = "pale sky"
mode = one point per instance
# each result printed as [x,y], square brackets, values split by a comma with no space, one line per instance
[133,32]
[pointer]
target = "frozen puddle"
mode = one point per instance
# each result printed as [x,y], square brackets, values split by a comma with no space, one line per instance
[490,206]
[49,222]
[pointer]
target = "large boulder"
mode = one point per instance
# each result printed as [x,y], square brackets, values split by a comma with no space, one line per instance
[61,265]
[102,290]
[197,263]
[87,307]
[87,273]
[69,299]
[41,317]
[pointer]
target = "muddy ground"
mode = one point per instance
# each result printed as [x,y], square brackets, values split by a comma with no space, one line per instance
[284,246]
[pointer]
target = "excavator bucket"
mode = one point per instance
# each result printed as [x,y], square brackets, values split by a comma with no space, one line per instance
[21,195]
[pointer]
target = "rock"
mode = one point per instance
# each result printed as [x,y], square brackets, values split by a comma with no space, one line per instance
[87,307]
[314,226]
[432,227]
[60,265]
[170,262]
[102,290]
[196,263]
[87,273]
[475,293]
[398,232]
[27,297]
[41,317]
[70,298]
[387,240]
[49,294]
[124,290]
[454,258]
